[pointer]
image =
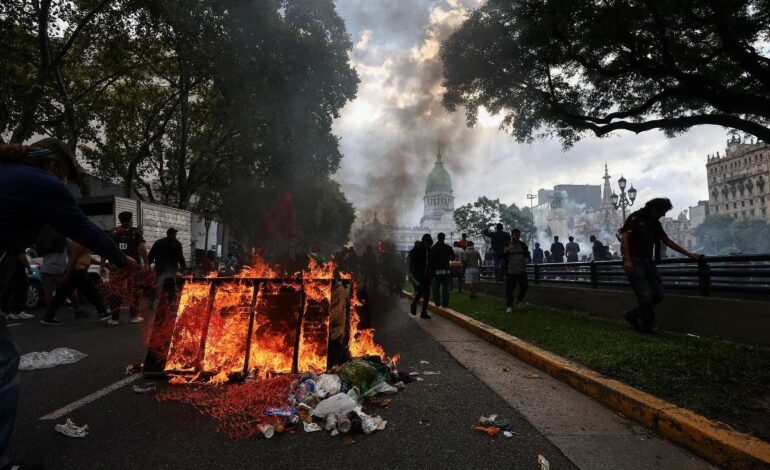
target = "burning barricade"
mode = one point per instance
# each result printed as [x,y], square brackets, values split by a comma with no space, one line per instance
[265,354]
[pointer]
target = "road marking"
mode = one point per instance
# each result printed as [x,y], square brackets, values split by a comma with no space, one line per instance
[14,324]
[90,398]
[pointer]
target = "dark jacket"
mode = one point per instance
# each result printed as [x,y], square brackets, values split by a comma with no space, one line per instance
[167,255]
[537,255]
[418,261]
[440,256]
[31,197]
[516,257]
[557,252]
[497,239]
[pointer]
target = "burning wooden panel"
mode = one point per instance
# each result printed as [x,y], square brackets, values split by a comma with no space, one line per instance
[228,329]
[275,329]
[191,321]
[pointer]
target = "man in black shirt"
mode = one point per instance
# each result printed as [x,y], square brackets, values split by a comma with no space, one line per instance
[641,235]
[420,274]
[498,239]
[557,251]
[441,255]
[168,256]
[597,249]
[125,286]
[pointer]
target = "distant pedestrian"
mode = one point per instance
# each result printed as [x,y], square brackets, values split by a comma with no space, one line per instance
[518,257]
[369,269]
[441,255]
[168,256]
[463,241]
[547,255]
[420,275]
[557,251]
[641,237]
[208,263]
[572,248]
[498,239]
[597,248]
[125,284]
[53,247]
[472,262]
[537,254]
[457,266]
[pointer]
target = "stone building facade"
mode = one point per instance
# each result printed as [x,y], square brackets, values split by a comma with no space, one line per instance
[738,181]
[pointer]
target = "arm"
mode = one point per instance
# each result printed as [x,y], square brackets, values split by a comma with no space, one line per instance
[628,264]
[143,255]
[24,261]
[74,253]
[180,256]
[152,254]
[674,246]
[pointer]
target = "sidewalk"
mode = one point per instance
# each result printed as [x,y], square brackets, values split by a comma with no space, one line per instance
[589,434]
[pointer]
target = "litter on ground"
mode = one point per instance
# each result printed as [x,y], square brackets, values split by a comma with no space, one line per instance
[69,429]
[46,360]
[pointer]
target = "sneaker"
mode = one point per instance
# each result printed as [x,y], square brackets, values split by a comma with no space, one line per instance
[413,309]
[104,316]
[137,319]
[82,314]
[425,315]
[113,322]
[509,310]
[51,321]
[24,316]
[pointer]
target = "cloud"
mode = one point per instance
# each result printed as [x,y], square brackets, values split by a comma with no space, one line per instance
[390,132]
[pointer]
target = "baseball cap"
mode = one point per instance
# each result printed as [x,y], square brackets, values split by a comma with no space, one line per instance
[62,150]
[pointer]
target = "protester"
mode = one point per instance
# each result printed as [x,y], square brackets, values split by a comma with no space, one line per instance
[369,269]
[231,264]
[498,239]
[394,269]
[472,262]
[597,248]
[456,266]
[53,247]
[353,261]
[537,254]
[641,235]
[420,274]
[557,251]
[441,255]
[168,256]
[517,257]
[76,277]
[33,193]
[207,263]
[463,242]
[572,250]
[124,284]
[547,255]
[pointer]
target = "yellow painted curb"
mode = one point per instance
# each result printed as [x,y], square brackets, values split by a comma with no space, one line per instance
[711,439]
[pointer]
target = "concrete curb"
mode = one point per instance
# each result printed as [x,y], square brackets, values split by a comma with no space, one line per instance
[713,440]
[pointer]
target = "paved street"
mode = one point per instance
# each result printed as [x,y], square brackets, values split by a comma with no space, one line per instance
[428,424]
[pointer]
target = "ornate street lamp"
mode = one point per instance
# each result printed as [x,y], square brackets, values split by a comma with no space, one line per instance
[625,199]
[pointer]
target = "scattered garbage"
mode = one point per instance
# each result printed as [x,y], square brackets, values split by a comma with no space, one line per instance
[530,375]
[491,431]
[327,385]
[311,427]
[360,373]
[508,434]
[492,425]
[381,387]
[132,369]
[430,372]
[424,362]
[69,429]
[492,421]
[46,360]
[267,431]
[544,464]
[148,388]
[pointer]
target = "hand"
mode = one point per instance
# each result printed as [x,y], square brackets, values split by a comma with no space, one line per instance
[628,265]
[695,256]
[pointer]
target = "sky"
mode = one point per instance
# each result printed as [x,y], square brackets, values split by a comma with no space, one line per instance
[390,133]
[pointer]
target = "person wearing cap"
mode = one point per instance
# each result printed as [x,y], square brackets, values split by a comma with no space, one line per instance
[168,256]
[32,194]
[125,287]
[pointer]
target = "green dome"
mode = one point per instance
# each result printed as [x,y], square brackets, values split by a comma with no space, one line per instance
[439,180]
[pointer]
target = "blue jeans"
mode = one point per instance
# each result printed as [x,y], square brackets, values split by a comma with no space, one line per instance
[441,285]
[648,287]
[9,389]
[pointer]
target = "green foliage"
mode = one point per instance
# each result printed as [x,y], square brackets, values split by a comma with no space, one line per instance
[721,235]
[751,236]
[474,218]
[715,233]
[572,67]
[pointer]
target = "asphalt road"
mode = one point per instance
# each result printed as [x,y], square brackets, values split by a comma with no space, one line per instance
[428,423]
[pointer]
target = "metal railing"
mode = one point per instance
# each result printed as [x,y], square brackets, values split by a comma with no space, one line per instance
[746,274]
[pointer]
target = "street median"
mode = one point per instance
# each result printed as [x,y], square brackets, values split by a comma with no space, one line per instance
[711,439]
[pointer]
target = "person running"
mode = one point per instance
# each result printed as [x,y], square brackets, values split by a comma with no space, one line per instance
[498,239]
[472,263]
[440,257]
[32,194]
[641,237]
[557,251]
[420,275]
[168,256]
[518,257]
[572,249]
[125,285]
[76,277]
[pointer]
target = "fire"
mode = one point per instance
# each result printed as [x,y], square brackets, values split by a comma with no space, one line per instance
[259,323]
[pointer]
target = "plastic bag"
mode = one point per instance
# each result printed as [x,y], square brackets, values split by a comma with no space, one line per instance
[338,404]
[327,385]
[382,387]
[360,373]
[46,360]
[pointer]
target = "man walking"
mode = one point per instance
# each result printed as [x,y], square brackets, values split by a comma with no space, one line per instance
[518,257]
[537,254]
[557,251]
[641,235]
[498,239]
[124,285]
[420,274]
[456,266]
[572,250]
[168,257]
[441,255]
[597,249]
[472,262]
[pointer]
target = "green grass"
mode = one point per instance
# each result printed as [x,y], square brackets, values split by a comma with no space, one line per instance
[720,379]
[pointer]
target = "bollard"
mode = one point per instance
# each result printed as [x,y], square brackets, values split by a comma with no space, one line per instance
[704,277]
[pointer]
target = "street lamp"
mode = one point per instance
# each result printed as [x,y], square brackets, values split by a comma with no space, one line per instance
[625,199]
[531,198]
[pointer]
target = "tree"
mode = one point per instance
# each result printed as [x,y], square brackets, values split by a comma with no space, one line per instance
[572,67]
[715,233]
[751,236]
[474,218]
[514,217]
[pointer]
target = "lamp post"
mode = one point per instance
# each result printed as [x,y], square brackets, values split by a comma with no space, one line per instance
[532,197]
[625,199]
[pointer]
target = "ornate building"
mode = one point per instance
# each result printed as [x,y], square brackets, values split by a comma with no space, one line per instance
[738,181]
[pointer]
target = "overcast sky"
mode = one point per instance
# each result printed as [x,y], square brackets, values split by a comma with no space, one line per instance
[390,132]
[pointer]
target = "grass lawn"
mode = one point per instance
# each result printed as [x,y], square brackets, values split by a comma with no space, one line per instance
[720,379]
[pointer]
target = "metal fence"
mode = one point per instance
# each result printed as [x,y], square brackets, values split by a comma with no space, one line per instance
[746,274]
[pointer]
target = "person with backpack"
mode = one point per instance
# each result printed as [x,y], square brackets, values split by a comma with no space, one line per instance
[125,287]
[33,193]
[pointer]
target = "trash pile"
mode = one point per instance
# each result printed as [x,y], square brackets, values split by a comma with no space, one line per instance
[46,359]
[492,426]
[288,403]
